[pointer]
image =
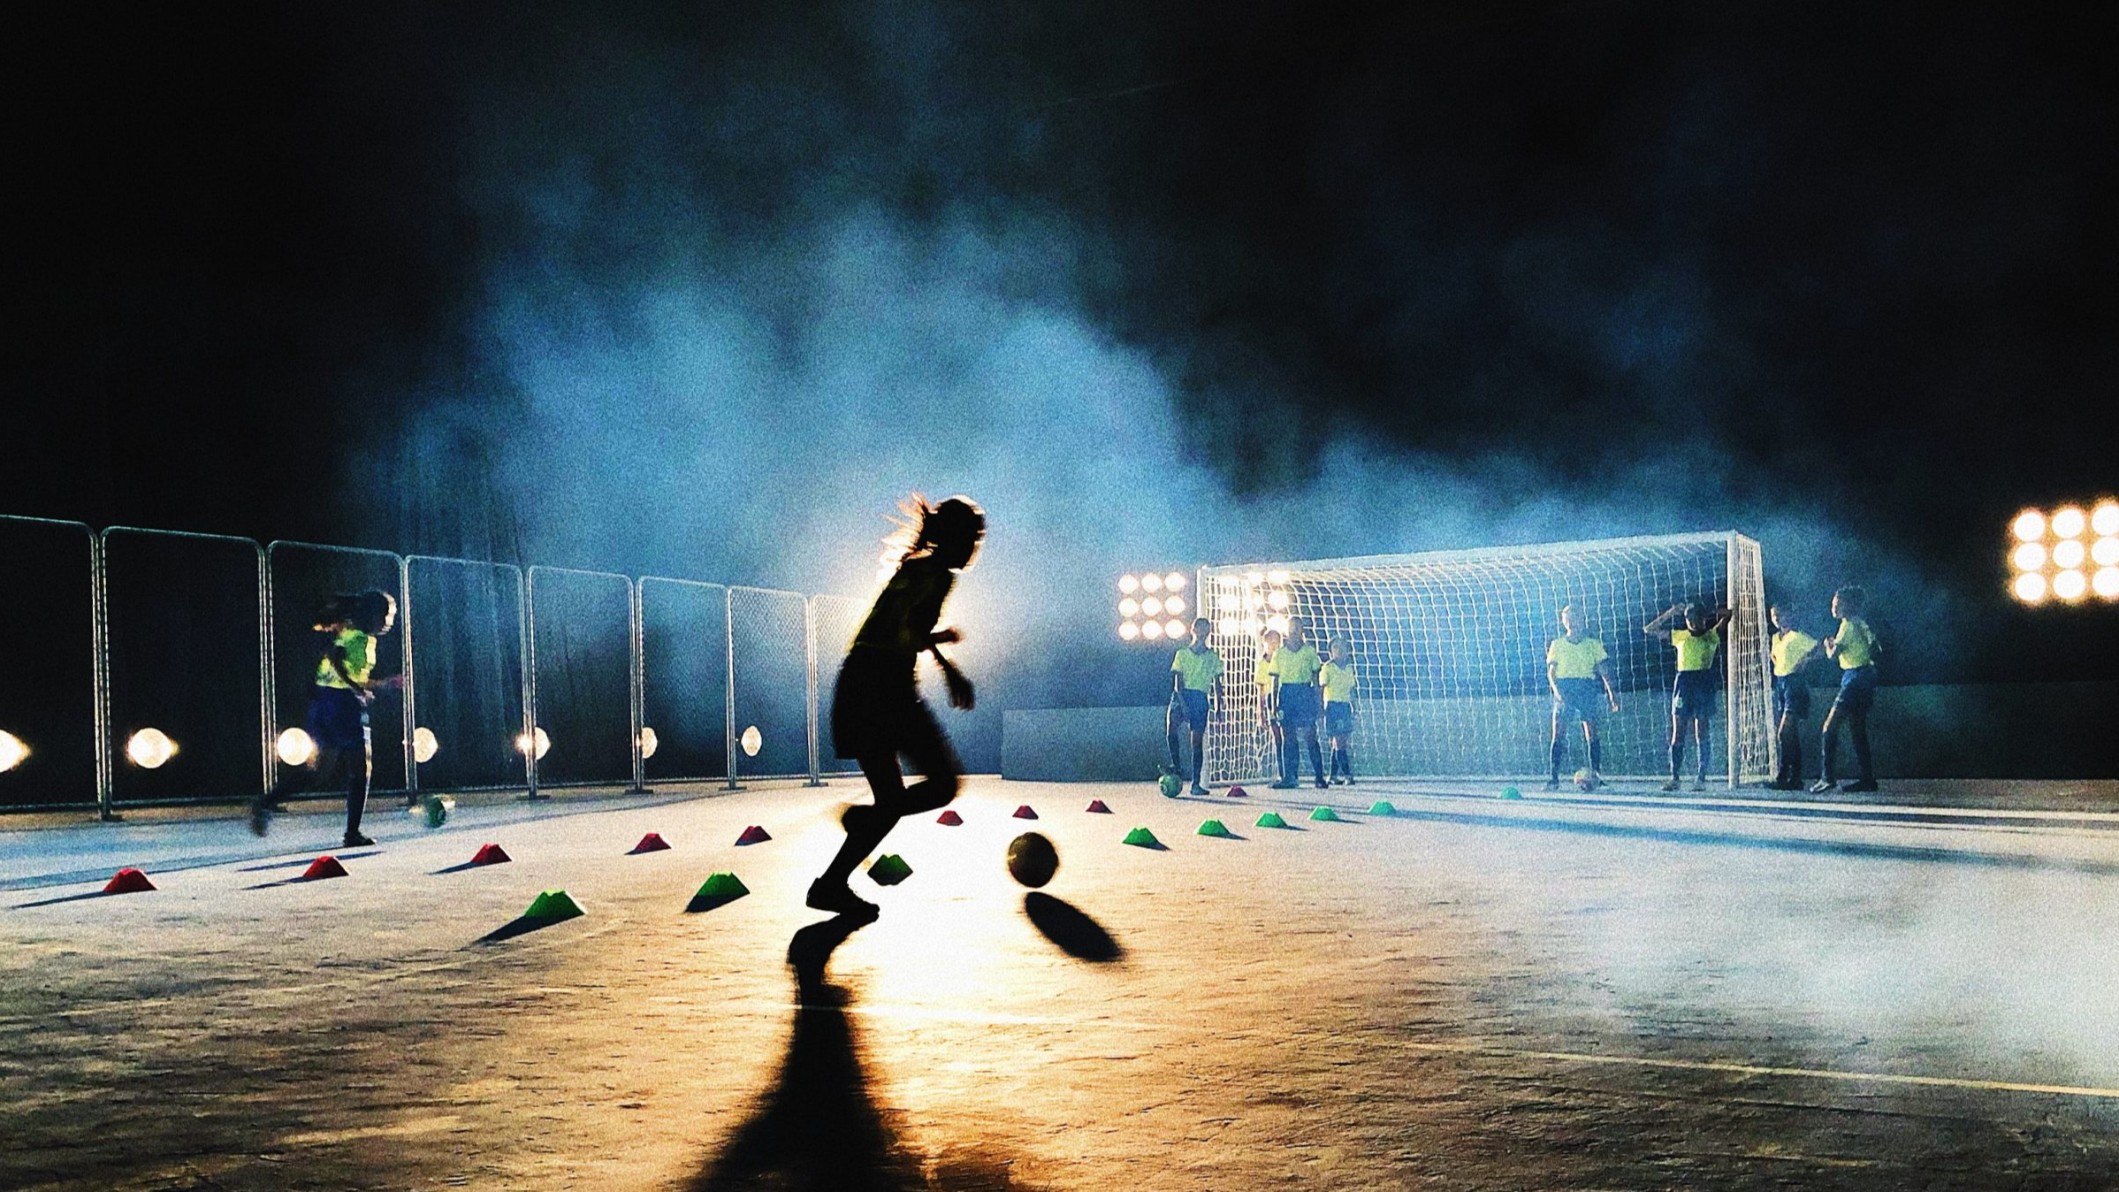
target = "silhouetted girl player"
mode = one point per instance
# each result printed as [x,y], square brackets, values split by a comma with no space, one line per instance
[877,713]
[338,704]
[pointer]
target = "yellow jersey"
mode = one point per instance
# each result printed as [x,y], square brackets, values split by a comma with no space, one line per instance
[1696,650]
[1574,660]
[360,659]
[1856,642]
[1790,648]
[1199,667]
[1338,683]
[1298,667]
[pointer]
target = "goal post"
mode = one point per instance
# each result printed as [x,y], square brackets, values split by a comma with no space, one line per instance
[1449,651]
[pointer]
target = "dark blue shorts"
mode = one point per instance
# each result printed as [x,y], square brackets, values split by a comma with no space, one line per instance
[1692,695]
[1338,719]
[1189,708]
[1581,699]
[1299,705]
[1791,696]
[1857,689]
[337,718]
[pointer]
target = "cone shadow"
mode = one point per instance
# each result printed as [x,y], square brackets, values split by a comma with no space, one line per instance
[1076,933]
[521,925]
[23,906]
[707,902]
[303,863]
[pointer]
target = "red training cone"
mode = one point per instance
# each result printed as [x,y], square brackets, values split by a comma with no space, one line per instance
[1024,812]
[128,881]
[323,867]
[754,835]
[1097,806]
[949,817]
[1237,792]
[491,854]
[652,843]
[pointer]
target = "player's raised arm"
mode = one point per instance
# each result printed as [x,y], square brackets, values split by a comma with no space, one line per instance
[1660,627]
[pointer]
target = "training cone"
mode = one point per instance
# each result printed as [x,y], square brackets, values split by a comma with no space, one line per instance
[127,881]
[1271,819]
[949,817]
[1142,837]
[491,854]
[323,867]
[889,870]
[1326,815]
[1213,827]
[1097,806]
[754,835]
[652,843]
[553,904]
[1509,792]
[1237,792]
[1024,812]
[717,889]
[1382,807]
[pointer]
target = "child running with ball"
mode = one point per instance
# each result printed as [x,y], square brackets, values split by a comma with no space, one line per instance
[876,711]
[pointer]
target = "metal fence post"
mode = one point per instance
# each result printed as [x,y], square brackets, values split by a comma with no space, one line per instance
[99,677]
[809,649]
[526,628]
[637,681]
[411,701]
[728,621]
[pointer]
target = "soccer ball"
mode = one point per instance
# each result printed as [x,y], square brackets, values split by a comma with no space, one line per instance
[1587,780]
[1170,785]
[433,811]
[1032,860]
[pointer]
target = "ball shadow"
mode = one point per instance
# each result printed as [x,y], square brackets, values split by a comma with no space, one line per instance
[1076,933]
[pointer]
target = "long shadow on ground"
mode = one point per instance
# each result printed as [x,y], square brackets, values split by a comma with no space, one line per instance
[1076,933]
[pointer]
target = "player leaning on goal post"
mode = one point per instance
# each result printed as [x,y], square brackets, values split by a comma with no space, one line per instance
[1576,666]
[1792,651]
[1855,646]
[1697,642]
[1193,674]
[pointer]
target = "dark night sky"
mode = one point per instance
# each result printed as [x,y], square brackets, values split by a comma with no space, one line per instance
[1849,266]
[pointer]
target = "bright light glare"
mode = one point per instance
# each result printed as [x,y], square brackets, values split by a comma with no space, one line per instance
[1128,584]
[752,741]
[544,743]
[2071,585]
[2029,526]
[2029,587]
[649,742]
[12,751]
[1228,604]
[1230,627]
[1129,631]
[1175,581]
[1254,601]
[1153,631]
[1175,604]
[1129,607]
[1151,583]
[2029,556]
[2069,553]
[2105,518]
[295,747]
[1279,601]
[2069,523]
[149,748]
[1153,606]
[1276,577]
[1277,624]
[424,744]
[1254,577]
[2106,583]
[1175,628]
[2106,552]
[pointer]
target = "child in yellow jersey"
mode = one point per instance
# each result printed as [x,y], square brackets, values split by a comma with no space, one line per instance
[1193,674]
[1295,667]
[1269,698]
[337,721]
[1855,647]
[1577,668]
[1337,681]
[1792,651]
[1697,641]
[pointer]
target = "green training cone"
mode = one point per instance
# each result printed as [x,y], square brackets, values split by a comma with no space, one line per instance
[1509,792]
[1271,819]
[722,885]
[1325,814]
[553,904]
[1213,827]
[1382,807]
[889,870]
[1142,836]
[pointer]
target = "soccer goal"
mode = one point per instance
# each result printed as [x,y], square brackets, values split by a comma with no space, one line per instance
[1449,651]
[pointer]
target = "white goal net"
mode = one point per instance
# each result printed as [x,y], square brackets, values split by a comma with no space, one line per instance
[1449,651]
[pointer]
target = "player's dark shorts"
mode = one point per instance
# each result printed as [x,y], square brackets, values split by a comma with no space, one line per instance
[337,718]
[1338,718]
[1190,708]
[1791,696]
[1692,695]
[876,711]
[1299,704]
[1581,699]
[1857,689]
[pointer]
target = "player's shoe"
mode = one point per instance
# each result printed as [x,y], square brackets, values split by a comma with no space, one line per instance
[260,815]
[1200,790]
[1861,787]
[1823,785]
[1671,785]
[1285,784]
[1322,784]
[1699,787]
[839,899]
[1552,784]
[356,840]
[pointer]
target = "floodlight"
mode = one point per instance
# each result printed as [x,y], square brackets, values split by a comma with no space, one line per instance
[1230,627]
[2030,587]
[2071,586]
[544,743]
[1254,600]
[295,747]
[1254,577]
[2028,556]
[649,742]
[12,751]
[1151,583]
[1277,624]
[752,741]
[1276,577]
[2104,519]
[1175,628]
[1279,601]
[1253,627]
[2069,522]
[1128,584]
[2069,553]
[1175,581]
[2106,583]
[1152,630]
[149,748]
[1228,604]
[1129,631]
[424,744]
[2029,526]
[1153,606]
[1129,607]
[1175,604]
[2106,552]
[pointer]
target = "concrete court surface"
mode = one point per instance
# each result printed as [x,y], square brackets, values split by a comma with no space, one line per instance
[1474,993]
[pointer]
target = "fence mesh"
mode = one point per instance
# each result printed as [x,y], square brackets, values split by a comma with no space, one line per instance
[583,647]
[769,636]
[47,687]
[833,621]
[684,675]
[464,632]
